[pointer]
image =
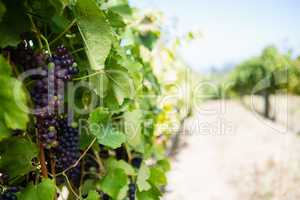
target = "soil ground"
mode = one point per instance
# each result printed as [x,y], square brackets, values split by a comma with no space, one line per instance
[232,153]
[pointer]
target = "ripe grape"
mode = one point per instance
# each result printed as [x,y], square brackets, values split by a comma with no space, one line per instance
[131,191]
[136,162]
[48,94]
[121,153]
[68,152]
[9,194]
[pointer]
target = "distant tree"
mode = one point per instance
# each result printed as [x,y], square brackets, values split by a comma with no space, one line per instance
[263,75]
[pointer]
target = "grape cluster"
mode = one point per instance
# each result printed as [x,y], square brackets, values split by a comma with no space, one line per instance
[24,56]
[131,191]
[68,152]
[9,194]
[48,94]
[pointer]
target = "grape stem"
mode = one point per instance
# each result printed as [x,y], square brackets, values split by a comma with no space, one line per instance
[99,161]
[43,161]
[70,185]
[35,30]
[47,44]
[88,76]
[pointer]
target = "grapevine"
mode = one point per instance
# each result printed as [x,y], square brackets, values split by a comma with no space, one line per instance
[79,112]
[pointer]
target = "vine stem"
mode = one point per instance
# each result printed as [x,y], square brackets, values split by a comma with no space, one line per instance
[70,185]
[35,29]
[64,32]
[47,43]
[78,50]
[128,153]
[88,76]
[99,161]
[43,161]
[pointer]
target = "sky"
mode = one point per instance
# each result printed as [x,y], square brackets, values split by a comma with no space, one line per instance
[231,30]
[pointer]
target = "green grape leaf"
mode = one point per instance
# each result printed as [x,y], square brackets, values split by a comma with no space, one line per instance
[100,127]
[100,84]
[111,101]
[164,164]
[107,136]
[47,9]
[119,6]
[2,10]
[59,23]
[149,39]
[95,31]
[43,191]
[99,116]
[13,22]
[114,182]
[133,128]
[122,84]
[13,109]
[93,195]
[115,19]
[158,176]
[4,131]
[87,186]
[123,193]
[16,155]
[143,176]
[152,194]
[128,169]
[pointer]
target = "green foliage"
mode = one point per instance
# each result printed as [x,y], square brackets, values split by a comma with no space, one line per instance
[143,176]
[95,31]
[16,156]
[43,191]
[13,109]
[121,84]
[114,183]
[268,72]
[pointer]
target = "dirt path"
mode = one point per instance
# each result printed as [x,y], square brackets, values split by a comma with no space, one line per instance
[233,154]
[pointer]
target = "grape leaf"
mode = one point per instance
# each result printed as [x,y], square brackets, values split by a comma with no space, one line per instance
[4,131]
[46,9]
[2,10]
[152,194]
[132,126]
[14,22]
[99,116]
[16,155]
[93,195]
[13,109]
[43,191]
[158,176]
[114,182]
[100,127]
[99,84]
[59,23]
[143,176]
[95,31]
[119,6]
[164,164]
[122,84]
[108,136]
[128,169]
[115,19]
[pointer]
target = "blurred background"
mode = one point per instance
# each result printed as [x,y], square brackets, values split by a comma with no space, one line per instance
[232,69]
